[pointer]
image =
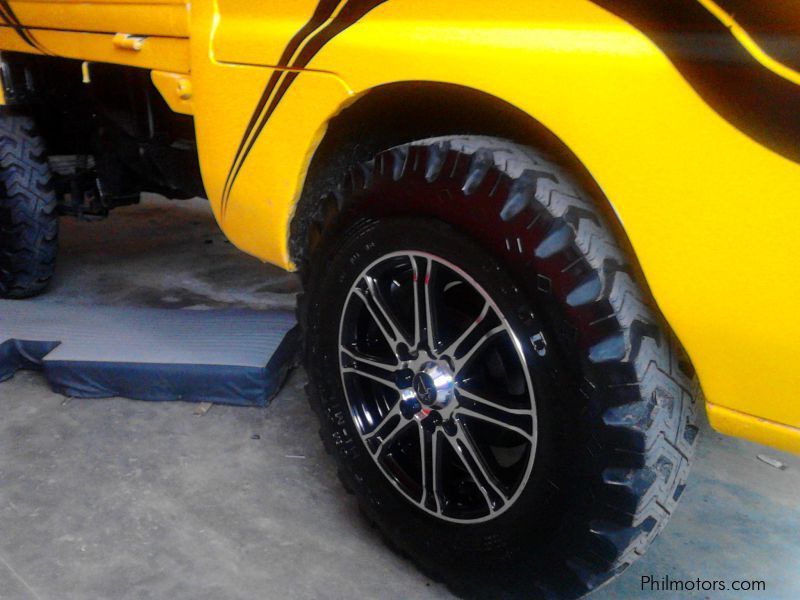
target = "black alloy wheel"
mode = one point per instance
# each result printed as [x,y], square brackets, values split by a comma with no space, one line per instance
[437,386]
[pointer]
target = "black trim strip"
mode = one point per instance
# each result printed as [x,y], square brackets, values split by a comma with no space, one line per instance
[29,29]
[757,101]
[279,83]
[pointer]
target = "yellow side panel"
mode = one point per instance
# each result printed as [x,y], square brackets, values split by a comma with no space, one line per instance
[11,41]
[273,171]
[753,428]
[224,98]
[167,18]
[143,3]
[712,215]
[251,33]
[165,54]
[176,89]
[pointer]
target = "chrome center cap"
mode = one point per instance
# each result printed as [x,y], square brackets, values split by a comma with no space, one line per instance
[434,385]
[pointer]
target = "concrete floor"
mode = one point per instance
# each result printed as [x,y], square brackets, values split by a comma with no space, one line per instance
[124,499]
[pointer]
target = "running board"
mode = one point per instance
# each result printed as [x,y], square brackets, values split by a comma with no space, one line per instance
[238,357]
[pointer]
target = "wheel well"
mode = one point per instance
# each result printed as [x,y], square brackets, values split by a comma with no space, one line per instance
[109,133]
[399,113]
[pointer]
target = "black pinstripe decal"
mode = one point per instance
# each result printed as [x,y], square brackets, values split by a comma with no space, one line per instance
[10,19]
[758,102]
[323,12]
[297,55]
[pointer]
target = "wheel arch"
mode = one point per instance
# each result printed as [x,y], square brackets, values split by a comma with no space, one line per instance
[396,113]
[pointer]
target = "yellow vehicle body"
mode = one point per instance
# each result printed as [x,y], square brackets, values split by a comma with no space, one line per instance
[709,209]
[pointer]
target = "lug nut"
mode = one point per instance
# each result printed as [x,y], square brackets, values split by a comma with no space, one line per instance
[409,407]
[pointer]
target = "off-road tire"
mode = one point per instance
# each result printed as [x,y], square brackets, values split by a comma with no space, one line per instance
[28,220]
[624,426]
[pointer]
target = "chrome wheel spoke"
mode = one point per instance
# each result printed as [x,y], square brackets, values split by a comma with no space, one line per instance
[494,421]
[431,470]
[381,314]
[429,311]
[469,456]
[424,312]
[418,312]
[463,361]
[360,361]
[376,441]
[387,379]
[451,349]
[481,401]
[386,312]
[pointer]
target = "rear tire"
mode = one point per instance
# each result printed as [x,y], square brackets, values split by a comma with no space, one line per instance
[28,220]
[615,396]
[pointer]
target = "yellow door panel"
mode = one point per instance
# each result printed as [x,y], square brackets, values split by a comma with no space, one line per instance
[166,18]
[258,33]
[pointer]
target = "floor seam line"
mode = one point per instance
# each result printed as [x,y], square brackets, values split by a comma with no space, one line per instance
[19,577]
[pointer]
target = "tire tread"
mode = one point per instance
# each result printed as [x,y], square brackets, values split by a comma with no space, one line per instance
[28,220]
[641,401]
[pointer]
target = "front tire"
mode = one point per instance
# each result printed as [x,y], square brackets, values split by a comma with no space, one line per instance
[611,413]
[28,220]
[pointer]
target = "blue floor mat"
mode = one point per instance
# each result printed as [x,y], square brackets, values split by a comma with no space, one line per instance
[236,357]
